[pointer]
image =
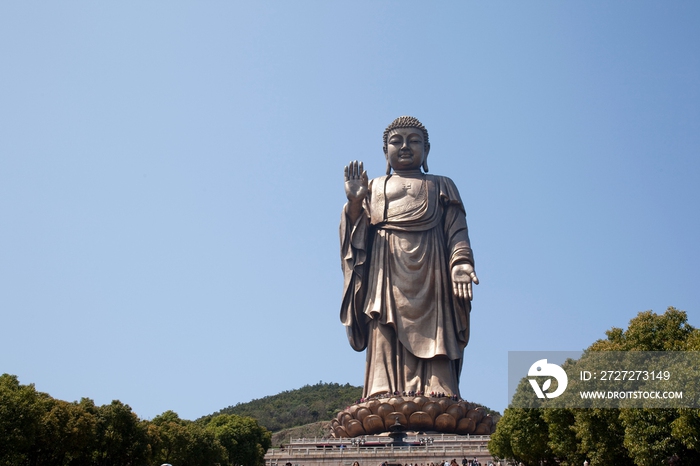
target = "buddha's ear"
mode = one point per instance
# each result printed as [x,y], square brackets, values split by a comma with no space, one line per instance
[425,158]
[388,165]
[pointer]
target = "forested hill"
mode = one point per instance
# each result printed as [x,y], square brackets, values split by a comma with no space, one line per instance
[311,403]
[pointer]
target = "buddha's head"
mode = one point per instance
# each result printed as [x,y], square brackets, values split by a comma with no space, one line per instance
[406,145]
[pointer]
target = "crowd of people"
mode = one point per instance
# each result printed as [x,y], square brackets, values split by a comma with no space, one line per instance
[383,396]
[465,462]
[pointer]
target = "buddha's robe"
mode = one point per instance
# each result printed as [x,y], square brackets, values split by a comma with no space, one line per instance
[398,301]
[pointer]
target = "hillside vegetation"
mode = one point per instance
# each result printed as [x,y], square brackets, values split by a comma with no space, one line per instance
[292,408]
[317,430]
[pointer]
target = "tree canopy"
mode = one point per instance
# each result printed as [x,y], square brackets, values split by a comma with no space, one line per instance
[38,430]
[629,436]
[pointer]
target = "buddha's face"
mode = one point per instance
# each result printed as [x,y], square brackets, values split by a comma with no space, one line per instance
[405,149]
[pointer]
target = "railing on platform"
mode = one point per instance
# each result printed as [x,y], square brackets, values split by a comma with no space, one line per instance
[456,445]
[384,439]
[409,449]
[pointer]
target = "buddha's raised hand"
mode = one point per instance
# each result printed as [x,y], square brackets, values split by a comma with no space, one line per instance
[356,183]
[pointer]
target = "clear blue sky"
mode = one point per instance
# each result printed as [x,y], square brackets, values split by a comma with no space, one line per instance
[171,181]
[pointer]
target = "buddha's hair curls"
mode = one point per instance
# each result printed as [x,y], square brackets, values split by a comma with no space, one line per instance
[406,122]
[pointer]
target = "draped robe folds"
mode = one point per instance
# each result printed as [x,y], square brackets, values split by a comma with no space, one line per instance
[398,301]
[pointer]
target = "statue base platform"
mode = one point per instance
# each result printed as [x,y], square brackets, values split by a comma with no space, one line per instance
[377,449]
[413,414]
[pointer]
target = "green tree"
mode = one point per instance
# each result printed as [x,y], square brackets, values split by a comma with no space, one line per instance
[601,434]
[169,438]
[562,436]
[66,435]
[177,441]
[616,436]
[244,440]
[649,331]
[21,411]
[652,436]
[650,440]
[203,448]
[522,435]
[36,429]
[686,428]
[120,437]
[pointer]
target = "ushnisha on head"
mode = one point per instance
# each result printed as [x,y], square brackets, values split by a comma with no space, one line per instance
[406,145]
